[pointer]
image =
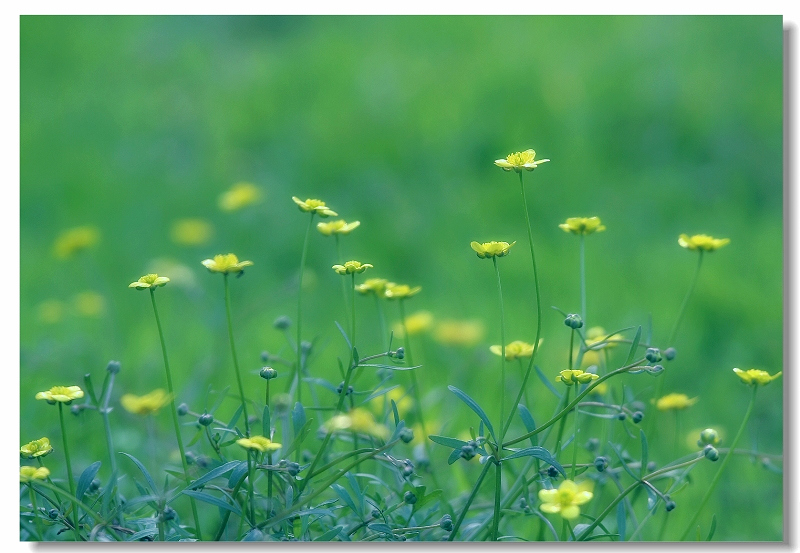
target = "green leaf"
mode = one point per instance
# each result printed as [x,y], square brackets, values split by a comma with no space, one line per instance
[547,382]
[345,496]
[390,367]
[299,438]
[254,535]
[208,498]
[235,418]
[644,453]
[622,461]
[108,493]
[634,346]
[147,532]
[222,395]
[298,418]
[355,357]
[379,393]
[237,475]
[146,474]
[713,527]
[394,412]
[621,517]
[380,527]
[530,425]
[214,473]
[330,534]
[87,380]
[539,453]
[475,408]
[448,442]
[344,335]
[86,479]
[455,455]
[353,481]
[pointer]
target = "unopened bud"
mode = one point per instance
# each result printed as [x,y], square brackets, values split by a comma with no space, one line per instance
[622,416]
[407,435]
[669,505]
[446,523]
[708,436]
[592,444]
[410,498]
[711,453]
[205,419]
[670,353]
[637,417]
[282,323]
[552,471]
[601,464]
[305,347]
[573,321]
[653,355]
[182,409]
[655,370]
[113,367]
[467,452]
[400,353]
[268,373]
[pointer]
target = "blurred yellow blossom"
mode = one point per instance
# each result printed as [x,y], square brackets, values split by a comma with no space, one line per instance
[358,420]
[756,377]
[351,267]
[582,225]
[566,500]
[400,291]
[225,263]
[337,227]
[26,474]
[316,206]
[600,389]
[597,338]
[259,443]
[574,376]
[416,323]
[372,286]
[675,402]
[702,242]
[73,240]
[50,311]
[63,394]
[519,161]
[453,332]
[191,232]
[89,304]
[491,249]
[515,350]
[36,448]
[149,281]
[400,397]
[240,195]
[146,404]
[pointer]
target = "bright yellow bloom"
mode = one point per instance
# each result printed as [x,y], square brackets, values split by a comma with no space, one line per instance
[565,500]
[756,377]
[337,227]
[702,242]
[358,420]
[63,394]
[259,443]
[89,304]
[26,474]
[400,291]
[146,404]
[351,267]
[416,323]
[515,350]
[459,333]
[491,249]
[225,263]
[582,225]
[575,376]
[316,206]
[240,195]
[372,286]
[675,402]
[519,161]
[191,232]
[73,240]
[50,311]
[149,281]
[36,448]
[400,397]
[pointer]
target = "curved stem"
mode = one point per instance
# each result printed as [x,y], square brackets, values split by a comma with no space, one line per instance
[235,359]
[502,349]
[69,472]
[470,499]
[682,310]
[298,367]
[36,518]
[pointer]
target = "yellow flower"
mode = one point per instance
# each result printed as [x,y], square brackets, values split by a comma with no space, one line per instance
[259,443]
[191,232]
[400,291]
[36,448]
[351,267]
[459,333]
[702,242]
[597,338]
[515,350]
[575,376]
[337,227]
[756,377]
[491,249]
[26,474]
[415,323]
[240,195]
[565,500]
[149,281]
[315,206]
[73,240]
[372,286]
[89,304]
[63,394]
[358,420]
[675,402]
[400,397]
[227,263]
[519,161]
[583,225]
[600,389]
[50,311]
[146,404]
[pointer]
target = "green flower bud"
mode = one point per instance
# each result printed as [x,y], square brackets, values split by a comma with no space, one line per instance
[711,453]
[670,353]
[113,367]
[708,436]
[622,416]
[282,323]
[205,419]
[653,355]
[268,373]
[637,417]
[407,435]
[601,464]
[573,321]
[592,444]
[552,472]
[182,409]
[669,505]
[446,523]
[410,498]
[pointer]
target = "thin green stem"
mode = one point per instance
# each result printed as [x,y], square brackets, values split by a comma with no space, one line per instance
[574,444]
[250,490]
[502,350]
[269,456]
[470,499]
[36,518]
[227,513]
[682,310]
[498,490]
[353,310]
[298,367]
[233,353]
[104,410]
[339,259]
[382,319]
[583,279]
[562,424]
[69,472]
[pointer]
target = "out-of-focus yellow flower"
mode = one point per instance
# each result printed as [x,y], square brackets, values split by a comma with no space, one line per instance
[459,333]
[566,500]
[146,404]
[259,443]
[225,263]
[191,232]
[400,291]
[595,337]
[316,206]
[337,227]
[89,304]
[36,448]
[50,311]
[26,474]
[351,267]
[372,286]
[149,281]
[519,161]
[63,394]
[600,389]
[240,195]
[416,323]
[491,249]
[73,240]
[400,397]
[582,225]
[702,242]
[756,377]
[358,420]
[675,402]
[575,376]
[515,350]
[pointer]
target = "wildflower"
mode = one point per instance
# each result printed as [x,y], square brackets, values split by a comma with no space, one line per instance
[575,376]
[582,225]
[36,448]
[372,286]
[337,227]
[574,321]
[702,242]
[491,249]
[400,291]
[259,443]
[316,206]
[755,377]
[63,394]
[149,281]
[596,338]
[89,304]
[357,420]
[675,402]
[240,195]
[26,474]
[399,396]
[227,263]
[515,350]
[73,240]
[600,389]
[459,333]
[709,436]
[50,311]
[351,267]
[146,404]
[565,500]
[191,232]
[519,161]
[416,323]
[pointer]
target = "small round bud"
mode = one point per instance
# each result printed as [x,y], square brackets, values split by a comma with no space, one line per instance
[168,513]
[205,419]
[669,354]
[669,505]
[552,471]
[708,436]
[467,452]
[305,347]
[446,523]
[601,464]
[655,370]
[407,470]
[622,416]
[268,373]
[53,513]
[410,498]
[651,466]
[203,461]
[182,409]
[190,458]
[95,485]
[292,468]
[653,355]
[573,321]
[400,353]
[592,444]
[637,417]
[113,367]
[282,323]
[711,453]
[282,463]
[75,410]
[407,435]
[375,513]
[265,356]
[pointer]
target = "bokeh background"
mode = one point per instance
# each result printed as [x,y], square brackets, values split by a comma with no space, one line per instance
[658,125]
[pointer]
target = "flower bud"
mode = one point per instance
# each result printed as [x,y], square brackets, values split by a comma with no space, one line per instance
[190,458]
[400,353]
[407,435]
[708,436]
[182,409]
[410,498]
[265,356]
[168,513]
[622,416]
[268,373]
[446,523]
[375,513]
[573,321]
[282,323]
[205,419]
[670,353]
[340,387]
[305,347]
[467,452]
[53,513]
[113,367]
[711,453]
[669,505]
[592,444]
[552,471]
[408,470]
[653,355]
[75,410]
[655,370]
[292,468]
[601,464]
[637,417]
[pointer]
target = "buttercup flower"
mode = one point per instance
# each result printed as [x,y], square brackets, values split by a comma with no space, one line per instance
[459,333]
[702,242]
[675,402]
[73,240]
[63,394]
[358,420]
[755,377]
[225,263]
[36,448]
[372,286]
[317,206]
[575,376]
[351,267]
[565,500]
[337,227]
[400,397]
[583,225]
[191,232]
[515,350]
[519,161]
[491,249]
[240,195]
[26,474]
[146,404]
[415,323]
[149,281]
[259,443]
[400,291]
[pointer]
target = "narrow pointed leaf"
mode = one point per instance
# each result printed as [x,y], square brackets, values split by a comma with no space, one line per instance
[634,346]
[448,442]
[644,453]
[539,453]
[547,383]
[86,479]
[214,473]
[146,474]
[298,418]
[475,408]
[713,527]
[208,498]
[455,455]
[530,425]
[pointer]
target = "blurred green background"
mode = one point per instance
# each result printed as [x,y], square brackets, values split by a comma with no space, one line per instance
[658,125]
